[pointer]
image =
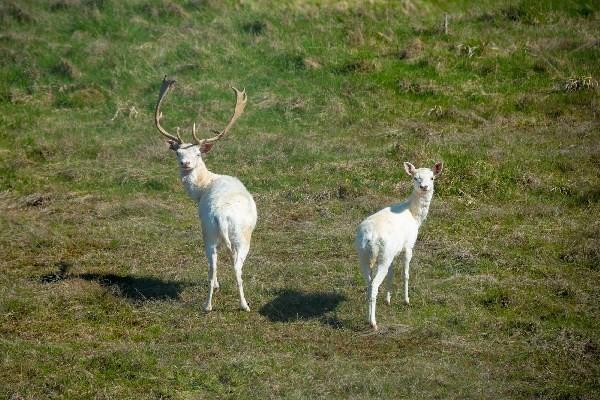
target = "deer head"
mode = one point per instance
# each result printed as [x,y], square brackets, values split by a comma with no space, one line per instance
[190,154]
[423,178]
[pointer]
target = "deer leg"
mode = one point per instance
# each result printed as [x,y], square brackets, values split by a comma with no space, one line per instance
[407,257]
[389,282]
[374,288]
[239,257]
[365,269]
[217,287]
[211,255]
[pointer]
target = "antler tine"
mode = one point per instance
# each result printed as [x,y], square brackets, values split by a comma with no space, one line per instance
[194,134]
[164,90]
[240,104]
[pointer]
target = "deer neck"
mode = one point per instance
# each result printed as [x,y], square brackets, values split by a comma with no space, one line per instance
[418,204]
[197,181]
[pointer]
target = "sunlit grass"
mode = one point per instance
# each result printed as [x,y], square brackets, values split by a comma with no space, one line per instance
[103,273]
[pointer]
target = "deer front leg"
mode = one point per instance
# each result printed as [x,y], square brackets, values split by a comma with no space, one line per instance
[407,257]
[389,283]
[217,287]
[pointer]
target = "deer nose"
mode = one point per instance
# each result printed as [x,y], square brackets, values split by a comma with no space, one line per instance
[424,187]
[185,164]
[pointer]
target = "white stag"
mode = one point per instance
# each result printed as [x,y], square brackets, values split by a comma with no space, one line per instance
[226,209]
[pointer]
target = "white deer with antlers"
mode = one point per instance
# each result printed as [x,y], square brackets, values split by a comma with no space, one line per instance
[226,209]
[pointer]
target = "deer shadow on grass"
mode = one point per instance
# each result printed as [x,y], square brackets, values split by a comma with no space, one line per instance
[132,288]
[293,305]
[137,288]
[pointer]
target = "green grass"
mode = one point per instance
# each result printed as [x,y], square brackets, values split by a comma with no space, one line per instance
[103,271]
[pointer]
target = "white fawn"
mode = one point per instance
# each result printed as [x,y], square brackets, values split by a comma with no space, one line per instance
[227,211]
[383,235]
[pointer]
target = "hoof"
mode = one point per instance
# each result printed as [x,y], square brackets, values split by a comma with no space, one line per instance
[245,307]
[207,307]
[388,299]
[373,324]
[407,302]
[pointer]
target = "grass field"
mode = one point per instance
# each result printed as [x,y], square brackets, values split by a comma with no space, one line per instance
[103,273]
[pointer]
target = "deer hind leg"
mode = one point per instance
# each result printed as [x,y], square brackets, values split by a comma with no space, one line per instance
[382,269]
[239,256]
[365,269]
[211,255]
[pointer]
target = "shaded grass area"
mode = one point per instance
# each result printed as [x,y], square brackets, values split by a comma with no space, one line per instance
[129,287]
[290,305]
[103,274]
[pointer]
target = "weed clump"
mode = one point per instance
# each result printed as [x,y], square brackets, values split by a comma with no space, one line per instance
[164,9]
[64,4]
[66,69]
[496,298]
[61,273]
[35,200]
[12,10]
[575,84]
[290,61]
[522,328]
[255,27]
[310,63]
[360,66]
[438,112]
[514,13]
[79,98]
[468,51]
[523,103]
[511,13]
[539,67]
[73,5]
[587,254]
[417,88]
[413,50]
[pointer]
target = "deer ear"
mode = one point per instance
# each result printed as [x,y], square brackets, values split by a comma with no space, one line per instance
[206,147]
[409,168]
[437,168]
[173,145]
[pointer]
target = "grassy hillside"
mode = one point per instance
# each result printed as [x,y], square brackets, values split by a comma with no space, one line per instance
[103,276]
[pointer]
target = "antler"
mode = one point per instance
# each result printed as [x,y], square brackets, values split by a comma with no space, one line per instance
[240,104]
[164,89]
